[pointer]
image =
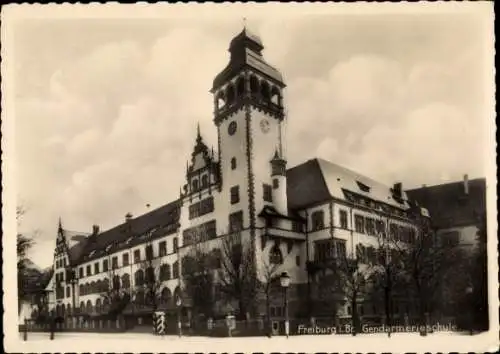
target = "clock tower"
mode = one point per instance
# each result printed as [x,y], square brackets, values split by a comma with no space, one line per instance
[249,116]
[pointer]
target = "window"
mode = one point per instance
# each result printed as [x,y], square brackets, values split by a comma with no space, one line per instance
[149,252]
[201,208]
[165,272]
[114,262]
[139,278]
[370,226]
[231,129]
[268,192]
[340,249]
[125,259]
[162,248]
[68,291]
[89,270]
[361,253]
[204,181]
[105,265]
[235,194]
[363,187]
[150,275]
[233,163]
[297,261]
[275,255]
[380,226]
[126,281]
[323,250]
[236,221]
[276,183]
[137,256]
[96,268]
[80,272]
[195,185]
[343,219]
[297,226]
[317,220]
[176,244]
[64,262]
[359,223]
[175,270]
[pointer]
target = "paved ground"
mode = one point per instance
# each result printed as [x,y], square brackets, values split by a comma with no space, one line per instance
[143,342]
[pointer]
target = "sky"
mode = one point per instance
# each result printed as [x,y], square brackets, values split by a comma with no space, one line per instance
[106,108]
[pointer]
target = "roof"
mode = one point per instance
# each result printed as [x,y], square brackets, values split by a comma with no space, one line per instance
[448,204]
[159,221]
[245,51]
[318,180]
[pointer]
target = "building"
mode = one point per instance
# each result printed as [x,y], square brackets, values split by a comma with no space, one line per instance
[456,209]
[293,220]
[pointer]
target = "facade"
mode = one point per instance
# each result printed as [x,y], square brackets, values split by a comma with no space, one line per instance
[456,209]
[293,220]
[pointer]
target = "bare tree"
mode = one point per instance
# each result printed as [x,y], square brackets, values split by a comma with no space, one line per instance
[198,277]
[237,275]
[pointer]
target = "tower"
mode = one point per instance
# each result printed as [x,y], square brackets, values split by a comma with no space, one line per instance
[248,114]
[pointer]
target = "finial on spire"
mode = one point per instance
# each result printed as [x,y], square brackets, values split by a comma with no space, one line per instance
[60,224]
[244,23]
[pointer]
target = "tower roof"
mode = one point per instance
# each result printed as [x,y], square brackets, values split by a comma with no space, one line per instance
[245,49]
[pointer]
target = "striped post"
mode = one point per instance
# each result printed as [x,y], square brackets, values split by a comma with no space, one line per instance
[159,322]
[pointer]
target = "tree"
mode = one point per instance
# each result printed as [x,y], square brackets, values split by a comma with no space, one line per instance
[237,274]
[479,282]
[24,243]
[198,274]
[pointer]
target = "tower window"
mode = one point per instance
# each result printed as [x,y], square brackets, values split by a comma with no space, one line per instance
[233,163]
[268,193]
[265,92]
[276,183]
[254,85]
[240,87]
[230,94]
[235,194]
[204,181]
[195,185]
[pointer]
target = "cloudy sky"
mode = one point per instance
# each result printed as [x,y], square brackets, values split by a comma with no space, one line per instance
[106,109]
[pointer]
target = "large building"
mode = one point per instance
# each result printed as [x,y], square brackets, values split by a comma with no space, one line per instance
[292,219]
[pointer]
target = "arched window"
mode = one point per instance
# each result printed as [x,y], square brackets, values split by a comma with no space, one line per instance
[233,163]
[150,275]
[165,272]
[68,310]
[105,304]
[177,293]
[166,295]
[82,307]
[254,86]
[98,307]
[265,91]
[126,281]
[230,94]
[89,307]
[139,278]
[105,285]
[275,96]
[93,288]
[116,282]
[240,87]
[175,270]
[204,181]
[275,255]
[195,185]
[220,101]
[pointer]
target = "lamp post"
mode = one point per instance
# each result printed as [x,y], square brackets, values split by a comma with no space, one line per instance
[285,283]
[178,302]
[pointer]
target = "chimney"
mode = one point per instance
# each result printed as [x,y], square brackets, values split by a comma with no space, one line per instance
[95,229]
[128,217]
[466,184]
[398,189]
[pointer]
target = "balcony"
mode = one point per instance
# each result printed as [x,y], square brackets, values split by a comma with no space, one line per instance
[284,234]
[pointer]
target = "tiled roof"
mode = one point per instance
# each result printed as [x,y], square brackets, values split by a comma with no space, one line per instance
[160,221]
[318,180]
[448,204]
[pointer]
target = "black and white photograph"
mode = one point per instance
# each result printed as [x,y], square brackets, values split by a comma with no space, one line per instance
[249,177]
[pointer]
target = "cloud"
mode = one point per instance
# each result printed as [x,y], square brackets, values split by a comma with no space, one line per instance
[106,128]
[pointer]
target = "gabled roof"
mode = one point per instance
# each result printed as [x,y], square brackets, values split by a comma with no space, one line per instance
[318,180]
[448,204]
[163,219]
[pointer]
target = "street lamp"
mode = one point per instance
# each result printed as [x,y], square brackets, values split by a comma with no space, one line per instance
[285,283]
[178,302]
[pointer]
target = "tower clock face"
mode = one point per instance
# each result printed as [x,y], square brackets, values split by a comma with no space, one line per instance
[264,125]
[231,129]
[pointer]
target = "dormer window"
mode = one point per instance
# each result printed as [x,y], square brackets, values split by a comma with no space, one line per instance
[363,187]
